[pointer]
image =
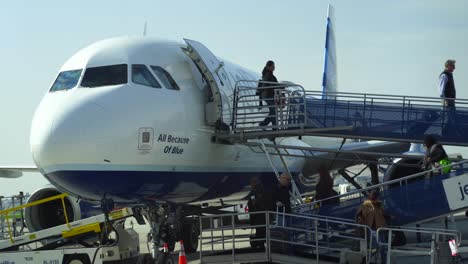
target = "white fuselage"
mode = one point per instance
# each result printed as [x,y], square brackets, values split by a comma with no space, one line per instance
[88,141]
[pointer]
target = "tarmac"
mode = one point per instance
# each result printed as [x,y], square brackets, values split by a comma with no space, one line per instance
[194,258]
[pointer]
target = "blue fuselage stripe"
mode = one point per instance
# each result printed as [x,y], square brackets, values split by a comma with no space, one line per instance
[137,186]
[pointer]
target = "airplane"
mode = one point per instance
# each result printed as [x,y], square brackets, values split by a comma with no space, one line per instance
[12,172]
[130,121]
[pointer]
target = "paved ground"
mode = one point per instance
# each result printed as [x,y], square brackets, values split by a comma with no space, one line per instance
[193,258]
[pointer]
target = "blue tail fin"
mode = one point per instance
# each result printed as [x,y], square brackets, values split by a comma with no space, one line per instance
[330,74]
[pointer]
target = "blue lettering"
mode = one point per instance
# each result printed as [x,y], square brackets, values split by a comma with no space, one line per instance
[461,191]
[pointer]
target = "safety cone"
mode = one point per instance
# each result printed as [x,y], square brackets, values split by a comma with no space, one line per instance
[166,248]
[182,257]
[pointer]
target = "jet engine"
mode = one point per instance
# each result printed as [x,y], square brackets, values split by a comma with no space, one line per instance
[403,167]
[52,213]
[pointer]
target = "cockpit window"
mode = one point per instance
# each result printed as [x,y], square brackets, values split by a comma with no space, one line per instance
[141,75]
[66,80]
[165,78]
[105,75]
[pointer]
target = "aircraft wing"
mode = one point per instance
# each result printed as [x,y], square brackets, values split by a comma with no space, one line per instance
[351,154]
[15,171]
[333,157]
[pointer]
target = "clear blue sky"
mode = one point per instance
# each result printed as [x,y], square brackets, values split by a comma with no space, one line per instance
[395,47]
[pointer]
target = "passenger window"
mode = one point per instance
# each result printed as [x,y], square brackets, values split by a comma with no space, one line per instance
[105,75]
[165,78]
[141,75]
[66,80]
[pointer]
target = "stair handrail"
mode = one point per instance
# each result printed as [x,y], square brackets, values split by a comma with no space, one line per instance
[312,205]
[243,86]
[31,204]
[457,234]
[384,96]
[228,234]
[435,233]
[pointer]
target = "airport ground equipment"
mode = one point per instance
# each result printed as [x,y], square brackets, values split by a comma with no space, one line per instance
[292,238]
[301,112]
[411,199]
[289,239]
[80,241]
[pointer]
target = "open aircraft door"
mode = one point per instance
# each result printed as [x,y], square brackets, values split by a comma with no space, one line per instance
[218,110]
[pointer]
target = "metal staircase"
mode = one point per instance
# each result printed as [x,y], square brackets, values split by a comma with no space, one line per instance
[411,199]
[299,112]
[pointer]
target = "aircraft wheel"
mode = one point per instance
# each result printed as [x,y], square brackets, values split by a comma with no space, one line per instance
[190,237]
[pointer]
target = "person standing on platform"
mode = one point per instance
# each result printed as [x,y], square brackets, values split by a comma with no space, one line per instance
[448,94]
[282,196]
[324,188]
[268,94]
[371,213]
[256,203]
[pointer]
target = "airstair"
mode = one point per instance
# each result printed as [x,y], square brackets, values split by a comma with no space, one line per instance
[59,234]
[289,239]
[302,239]
[299,112]
[411,199]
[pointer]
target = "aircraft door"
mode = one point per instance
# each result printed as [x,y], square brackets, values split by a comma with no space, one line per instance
[218,108]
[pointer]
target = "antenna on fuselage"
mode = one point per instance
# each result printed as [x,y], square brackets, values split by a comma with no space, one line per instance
[144,28]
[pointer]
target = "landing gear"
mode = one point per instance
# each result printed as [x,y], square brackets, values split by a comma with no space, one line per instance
[156,216]
[190,234]
[168,226]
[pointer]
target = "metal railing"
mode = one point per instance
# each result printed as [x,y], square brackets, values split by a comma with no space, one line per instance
[298,236]
[457,169]
[253,104]
[4,213]
[371,97]
[397,117]
[384,237]
[16,216]
[341,114]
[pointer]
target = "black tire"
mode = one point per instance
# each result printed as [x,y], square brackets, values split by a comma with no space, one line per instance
[165,258]
[190,237]
[76,259]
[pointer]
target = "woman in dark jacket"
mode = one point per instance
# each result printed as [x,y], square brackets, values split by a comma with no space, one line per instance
[268,94]
[256,203]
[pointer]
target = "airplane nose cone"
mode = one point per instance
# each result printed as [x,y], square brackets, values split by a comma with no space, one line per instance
[61,133]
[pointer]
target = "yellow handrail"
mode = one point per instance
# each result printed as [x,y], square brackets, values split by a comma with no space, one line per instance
[45,200]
